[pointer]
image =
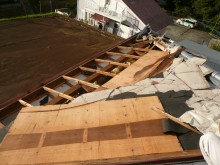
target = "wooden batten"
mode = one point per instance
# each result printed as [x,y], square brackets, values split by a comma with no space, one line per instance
[98,71]
[59,93]
[122,54]
[112,62]
[131,48]
[24,103]
[81,82]
[1,125]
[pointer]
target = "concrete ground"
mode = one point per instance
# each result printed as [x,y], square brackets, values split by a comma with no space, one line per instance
[179,33]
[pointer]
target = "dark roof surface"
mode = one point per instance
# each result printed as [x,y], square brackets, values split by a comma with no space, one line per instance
[149,12]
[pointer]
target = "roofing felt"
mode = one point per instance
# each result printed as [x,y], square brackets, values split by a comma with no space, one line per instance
[213,57]
[150,13]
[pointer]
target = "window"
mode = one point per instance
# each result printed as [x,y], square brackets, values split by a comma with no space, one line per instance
[86,16]
[107,2]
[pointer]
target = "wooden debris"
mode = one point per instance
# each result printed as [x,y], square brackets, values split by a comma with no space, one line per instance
[176,120]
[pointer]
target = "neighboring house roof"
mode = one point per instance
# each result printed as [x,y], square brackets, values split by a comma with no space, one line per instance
[149,12]
[212,56]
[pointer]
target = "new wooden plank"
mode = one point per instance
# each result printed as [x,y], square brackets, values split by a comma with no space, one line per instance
[81,82]
[122,54]
[59,93]
[112,62]
[139,70]
[98,71]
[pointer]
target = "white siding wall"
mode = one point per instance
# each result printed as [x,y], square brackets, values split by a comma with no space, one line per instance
[117,6]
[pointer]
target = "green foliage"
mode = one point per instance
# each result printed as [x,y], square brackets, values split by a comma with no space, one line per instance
[207,11]
[28,16]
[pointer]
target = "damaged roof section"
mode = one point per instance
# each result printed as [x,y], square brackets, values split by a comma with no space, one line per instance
[117,123]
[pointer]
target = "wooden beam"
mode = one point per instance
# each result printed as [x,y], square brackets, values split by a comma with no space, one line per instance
[81,82]
[1,125]
[112,62]
[59,93]
[24,103]
[131,48]
[98,71]
[93,77]
[122,54]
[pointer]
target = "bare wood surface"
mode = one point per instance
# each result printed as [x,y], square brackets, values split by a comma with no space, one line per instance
[81,82]
[94,132]
[1,125]
[59,93]
[176,120]
[78,86]
[132,48]
[139,70]
[24,103]
[112,62]
[122,54]
[98,71]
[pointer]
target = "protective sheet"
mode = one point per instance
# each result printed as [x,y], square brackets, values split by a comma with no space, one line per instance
[170,127]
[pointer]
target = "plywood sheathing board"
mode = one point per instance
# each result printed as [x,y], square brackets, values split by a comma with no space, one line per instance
[98,131]
[150,64]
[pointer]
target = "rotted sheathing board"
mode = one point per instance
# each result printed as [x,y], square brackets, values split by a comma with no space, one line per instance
[82,133]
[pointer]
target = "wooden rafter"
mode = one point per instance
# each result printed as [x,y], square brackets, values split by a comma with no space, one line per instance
[59,93]
[112,62]
[24,103]
[78,86]
[131,48]
[98,71]
[122,54]
[1,125]
[81,82]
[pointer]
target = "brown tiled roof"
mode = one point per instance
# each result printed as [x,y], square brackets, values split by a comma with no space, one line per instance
[150,13]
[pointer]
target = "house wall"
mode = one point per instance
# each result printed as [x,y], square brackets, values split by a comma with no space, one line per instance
[116,10]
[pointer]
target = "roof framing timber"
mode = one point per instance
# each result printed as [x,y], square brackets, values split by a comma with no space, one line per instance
[59,93]
[112,62]
[131,48]
[81,82]
[122,54]
[24,103]
[98,71]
